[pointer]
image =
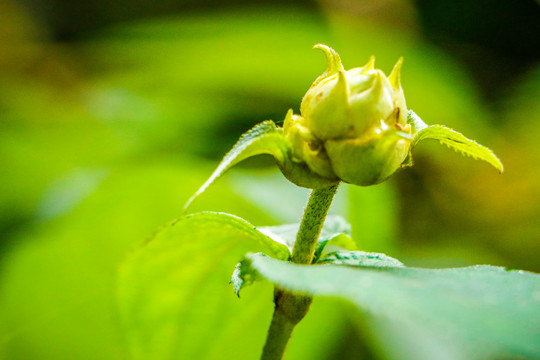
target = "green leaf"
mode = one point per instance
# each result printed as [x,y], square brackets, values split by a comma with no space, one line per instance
[59,277]
[244,275]
[225,223]
[450,138]
[337,243]
[474,313]
[458,142]
[174,295]
[335,234]
[359,258]
[264,138]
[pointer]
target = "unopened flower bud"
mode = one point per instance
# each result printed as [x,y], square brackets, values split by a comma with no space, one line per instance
[353,124]
[354,127]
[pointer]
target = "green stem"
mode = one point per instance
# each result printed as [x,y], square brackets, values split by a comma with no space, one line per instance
[281,327]
[290,308]
[312,223]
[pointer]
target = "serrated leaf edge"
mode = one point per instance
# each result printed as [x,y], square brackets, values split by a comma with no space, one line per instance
[490,158]
[419,129]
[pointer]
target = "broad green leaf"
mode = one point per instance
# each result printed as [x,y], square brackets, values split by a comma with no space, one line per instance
[244,274]
[475,312]
[174,293]
[228,222]
[58,277]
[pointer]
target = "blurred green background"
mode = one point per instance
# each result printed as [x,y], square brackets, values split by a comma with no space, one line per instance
[113,113]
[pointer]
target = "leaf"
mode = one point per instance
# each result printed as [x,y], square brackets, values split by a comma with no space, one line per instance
[452,139]
[359,258]
[458,142]
[335,234]
[243,275]
[475,312]
[174,295]
[227,222]
[264,138]
[59,277]
[336,243]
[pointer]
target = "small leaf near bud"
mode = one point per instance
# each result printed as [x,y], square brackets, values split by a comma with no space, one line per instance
[353,120]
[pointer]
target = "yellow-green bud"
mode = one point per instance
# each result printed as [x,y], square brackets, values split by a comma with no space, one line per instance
[354,127]
[306,148]
[353,124]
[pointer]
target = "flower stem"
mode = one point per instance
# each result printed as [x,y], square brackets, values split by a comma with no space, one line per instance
[290,307]
[312,223]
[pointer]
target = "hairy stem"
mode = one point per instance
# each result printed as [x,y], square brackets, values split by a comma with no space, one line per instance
[290,307]
[312,223]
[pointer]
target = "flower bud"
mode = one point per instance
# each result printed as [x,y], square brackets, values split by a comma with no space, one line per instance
[306,148]
[353,124]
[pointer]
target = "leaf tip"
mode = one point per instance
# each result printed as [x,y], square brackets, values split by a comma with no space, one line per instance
[197,194]
[499,166]
[497,163]
[188,203]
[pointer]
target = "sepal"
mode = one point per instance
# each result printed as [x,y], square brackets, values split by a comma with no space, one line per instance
[333,62]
